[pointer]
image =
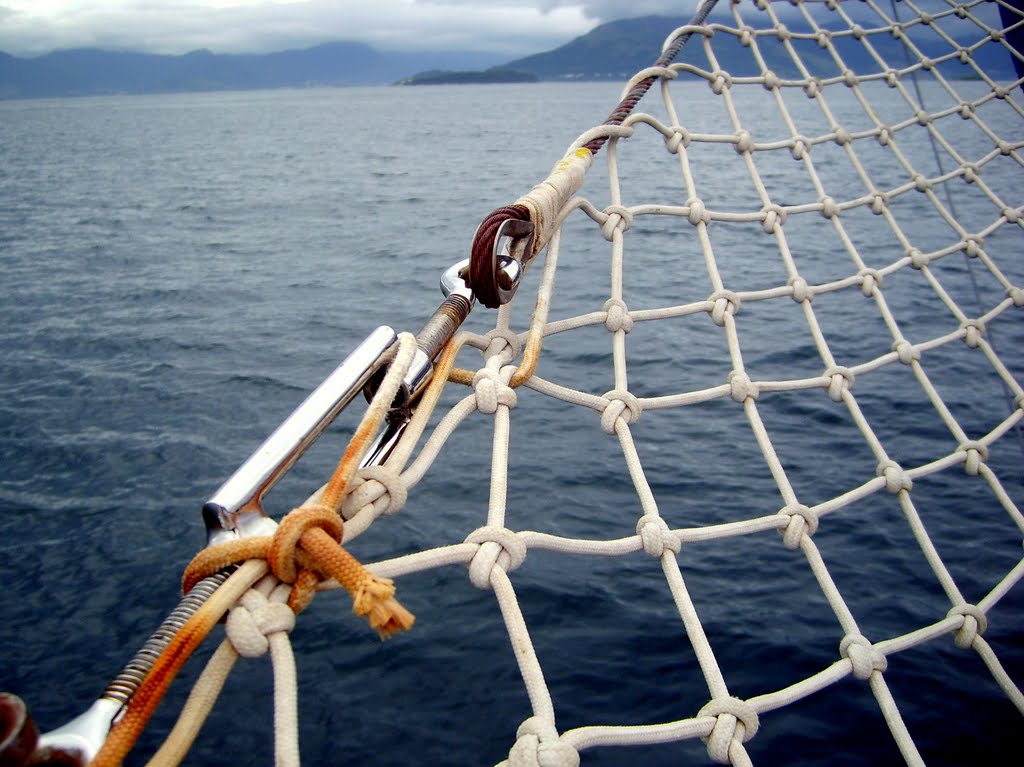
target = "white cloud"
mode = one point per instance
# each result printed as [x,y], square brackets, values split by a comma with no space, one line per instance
[513,27]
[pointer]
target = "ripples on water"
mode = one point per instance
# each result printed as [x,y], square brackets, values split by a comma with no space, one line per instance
[180,270]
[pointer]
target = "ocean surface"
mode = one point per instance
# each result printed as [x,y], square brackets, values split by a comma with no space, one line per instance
[180,270]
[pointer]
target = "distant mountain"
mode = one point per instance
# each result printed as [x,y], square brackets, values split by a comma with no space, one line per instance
[616,50]
[491,76]
[612,51]
[91,71]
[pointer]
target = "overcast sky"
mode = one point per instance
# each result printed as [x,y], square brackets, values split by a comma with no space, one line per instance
[514,27]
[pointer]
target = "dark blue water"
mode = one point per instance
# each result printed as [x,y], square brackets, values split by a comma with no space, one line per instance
[178,271]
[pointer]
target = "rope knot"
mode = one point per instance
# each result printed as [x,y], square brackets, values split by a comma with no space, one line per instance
[870,280]
[895,478]
[800,147]
[918,260]
[491,391]
[879,202]
[742,387]
[840,380]
[680,138]
[256,618]
[972,245]
[801,291]
[843,136]
[655,535]
[720,81]
[617,316]
[801,520]
[771,80]
[829,207]
[744,142]
[723,302]
[1012,215]
[499,547]
[1017,296]
[812,88]
[747,34]
[974,330]
[736,723]
[696,212]
[865,658]
[906,351]
[772,216]
[849,78]
[538,745]
[975,623]
[379,489]
[281,556]
[618,218]
[621,404]
[975,454]
[503,341]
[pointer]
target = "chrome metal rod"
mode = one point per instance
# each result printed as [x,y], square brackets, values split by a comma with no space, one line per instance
[235,509]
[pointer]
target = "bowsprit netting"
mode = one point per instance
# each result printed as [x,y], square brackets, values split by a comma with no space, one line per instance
[841,285]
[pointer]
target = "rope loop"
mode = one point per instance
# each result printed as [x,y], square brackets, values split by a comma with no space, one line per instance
[864,657]
[975,623]
[737,722]
[499,547]
[655,536]
[538,745]
[617,316]
[896,479]
[620,404]
[256,618]
[492,390]
[801,521]
[723,302]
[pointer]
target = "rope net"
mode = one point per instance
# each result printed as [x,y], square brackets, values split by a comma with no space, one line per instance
[828,197]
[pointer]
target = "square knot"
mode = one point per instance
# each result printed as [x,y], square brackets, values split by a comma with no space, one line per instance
[617,317]
[864,657]
[973,331]
[870,279]
[772,216]
[538,745]
[255,618]
[620,404]
[895,478]
[375,489]
[771,80]
[491,391]
[840,379]
[736,723]
[741,387]
[744,142]
[720,81]
[801,145]
[723,302]
[975,454]
[655,536]
[906,351]
[974,625]
[619,218]
[503,342]
[696,213]
[499,547]
[829,207]
[801,291]
[801,521]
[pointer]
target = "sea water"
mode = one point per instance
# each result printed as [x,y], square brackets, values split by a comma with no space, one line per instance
[179,270]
